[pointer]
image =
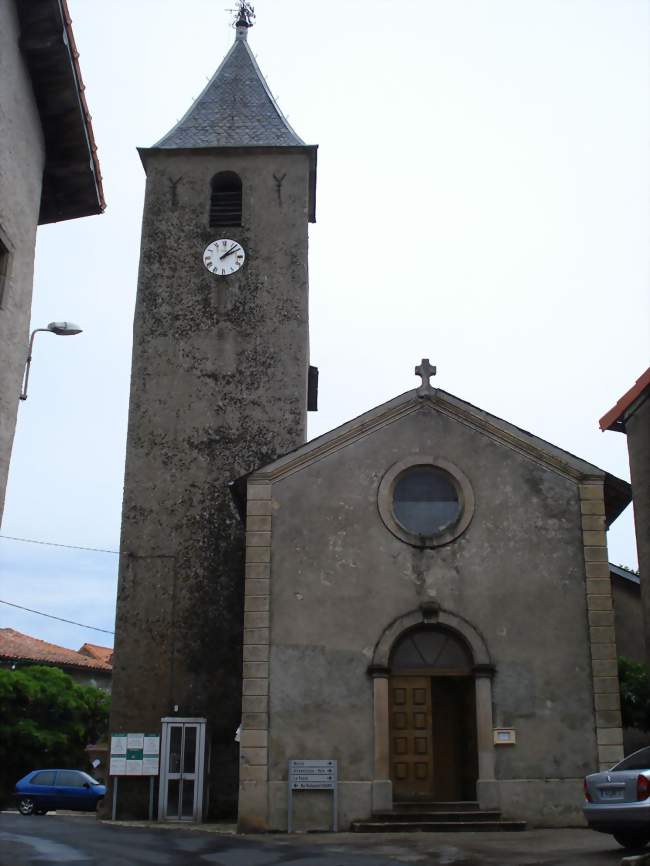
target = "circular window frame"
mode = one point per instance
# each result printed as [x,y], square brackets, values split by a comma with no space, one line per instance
[463,489]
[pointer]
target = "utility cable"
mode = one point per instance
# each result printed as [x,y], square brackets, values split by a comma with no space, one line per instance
[51,616]
[55,544]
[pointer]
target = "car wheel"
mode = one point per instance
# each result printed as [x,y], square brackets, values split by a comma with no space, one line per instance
[25,806]
[632,840]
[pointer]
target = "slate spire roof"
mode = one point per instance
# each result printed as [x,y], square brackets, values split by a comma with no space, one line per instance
[236,109]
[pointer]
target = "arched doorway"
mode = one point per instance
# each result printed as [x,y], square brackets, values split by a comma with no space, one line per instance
[432,713]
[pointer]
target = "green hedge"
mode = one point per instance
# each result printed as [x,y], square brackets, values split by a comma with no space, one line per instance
[46,720]
[635,694]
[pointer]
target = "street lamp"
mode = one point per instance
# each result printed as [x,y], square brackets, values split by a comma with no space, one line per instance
[61,329]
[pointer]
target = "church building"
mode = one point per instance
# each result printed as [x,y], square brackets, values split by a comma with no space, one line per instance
[421,596]
[428,603]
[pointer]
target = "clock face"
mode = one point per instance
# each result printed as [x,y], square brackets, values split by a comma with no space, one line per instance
[223,257]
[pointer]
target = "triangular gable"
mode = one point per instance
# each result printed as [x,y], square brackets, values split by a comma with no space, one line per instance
[617,492]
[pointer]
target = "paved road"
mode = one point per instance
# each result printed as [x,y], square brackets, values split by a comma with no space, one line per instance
[54,839]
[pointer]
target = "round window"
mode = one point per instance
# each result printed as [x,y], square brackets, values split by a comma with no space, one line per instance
[425,500]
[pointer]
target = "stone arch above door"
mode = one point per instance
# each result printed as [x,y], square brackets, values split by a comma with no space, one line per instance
[430,613]
[432,649]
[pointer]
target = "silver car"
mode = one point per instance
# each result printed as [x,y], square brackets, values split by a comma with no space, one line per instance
[618,800]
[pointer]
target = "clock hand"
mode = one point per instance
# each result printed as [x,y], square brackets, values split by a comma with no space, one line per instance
[228,252]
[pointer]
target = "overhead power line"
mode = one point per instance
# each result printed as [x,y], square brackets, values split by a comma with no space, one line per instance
[59,618]
[55,544]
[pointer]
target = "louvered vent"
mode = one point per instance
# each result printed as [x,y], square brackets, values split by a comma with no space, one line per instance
[225,201]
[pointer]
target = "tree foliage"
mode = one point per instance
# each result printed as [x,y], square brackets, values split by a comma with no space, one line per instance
[635,694]
[46,720]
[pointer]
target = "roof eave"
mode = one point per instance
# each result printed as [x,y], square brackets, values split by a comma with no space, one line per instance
[50,663]
[618,495]
[624,574]
[72,182]
[617,416]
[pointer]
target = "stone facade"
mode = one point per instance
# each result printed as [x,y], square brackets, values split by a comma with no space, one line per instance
[602,635]
[219,386]
[42,103]
[638,444]
[630,636]
[22,159]
[631,415]
[330,589]
[628,614]
[272,590]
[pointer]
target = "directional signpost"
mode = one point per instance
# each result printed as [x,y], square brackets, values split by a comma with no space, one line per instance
[313,776]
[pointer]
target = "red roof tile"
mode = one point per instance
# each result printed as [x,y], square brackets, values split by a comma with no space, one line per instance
[86,112]
[612,419]
[23,647]
[100,653]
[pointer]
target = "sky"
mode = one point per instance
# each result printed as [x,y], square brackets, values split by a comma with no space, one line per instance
[482,201]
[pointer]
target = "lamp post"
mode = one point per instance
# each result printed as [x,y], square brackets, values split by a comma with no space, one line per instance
[61,329]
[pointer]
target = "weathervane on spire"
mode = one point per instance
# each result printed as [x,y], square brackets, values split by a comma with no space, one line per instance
[244,14]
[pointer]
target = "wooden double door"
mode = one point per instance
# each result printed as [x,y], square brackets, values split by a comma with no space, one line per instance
[433,738]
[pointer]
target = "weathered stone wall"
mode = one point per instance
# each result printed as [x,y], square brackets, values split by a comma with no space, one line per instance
[602,635]
[628,619]
[337,578]
[630,642]
[638,445]
[218,388]
[22,157]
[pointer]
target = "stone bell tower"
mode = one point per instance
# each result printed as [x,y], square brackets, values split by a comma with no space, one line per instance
[219,387]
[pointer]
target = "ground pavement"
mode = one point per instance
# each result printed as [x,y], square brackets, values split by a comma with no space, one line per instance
[55,838]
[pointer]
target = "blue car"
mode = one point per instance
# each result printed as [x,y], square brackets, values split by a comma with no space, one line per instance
[42,790]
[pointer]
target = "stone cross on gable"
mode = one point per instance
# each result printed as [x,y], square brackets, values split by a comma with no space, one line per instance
[424,370]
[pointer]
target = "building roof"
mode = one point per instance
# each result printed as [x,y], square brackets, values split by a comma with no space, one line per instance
[15,645]
[236,109]
[625,573]
[618,493]
[72,181]
[616,417]
[100,653]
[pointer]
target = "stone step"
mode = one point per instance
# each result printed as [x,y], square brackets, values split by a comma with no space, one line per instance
[437,826]
[437,815]
[435,806]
